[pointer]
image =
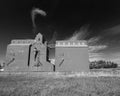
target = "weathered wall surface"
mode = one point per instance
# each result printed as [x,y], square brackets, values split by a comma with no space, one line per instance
[40,63]
[71,56]
[17,57]
[27,55]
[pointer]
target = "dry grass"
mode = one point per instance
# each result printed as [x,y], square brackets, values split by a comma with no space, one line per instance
[52,84]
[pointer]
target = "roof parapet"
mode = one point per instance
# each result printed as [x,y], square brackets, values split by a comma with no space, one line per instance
[82,43]
[22,42]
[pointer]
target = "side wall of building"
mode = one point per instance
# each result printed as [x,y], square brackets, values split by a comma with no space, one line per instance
[17,57]
[74,59]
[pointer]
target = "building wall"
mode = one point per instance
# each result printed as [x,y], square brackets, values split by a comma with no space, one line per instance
[17,57]
[71,56]
[20,55]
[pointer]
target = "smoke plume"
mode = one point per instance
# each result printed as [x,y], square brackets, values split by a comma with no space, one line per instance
[34,12]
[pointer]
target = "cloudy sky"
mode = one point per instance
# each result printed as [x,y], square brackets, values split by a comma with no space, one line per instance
[97,21]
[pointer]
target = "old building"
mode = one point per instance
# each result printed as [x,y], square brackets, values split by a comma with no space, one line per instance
[33,55]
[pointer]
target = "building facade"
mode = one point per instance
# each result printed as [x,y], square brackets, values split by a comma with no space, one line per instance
[33,55]
[71,56]
[27,55]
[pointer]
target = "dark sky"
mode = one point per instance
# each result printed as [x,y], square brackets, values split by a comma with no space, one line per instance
[101,18]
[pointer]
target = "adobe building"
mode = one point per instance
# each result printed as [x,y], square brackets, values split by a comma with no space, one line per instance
[71,56]
[28,55]
[33,55]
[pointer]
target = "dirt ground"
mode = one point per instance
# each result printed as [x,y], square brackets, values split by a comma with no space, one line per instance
[44,84]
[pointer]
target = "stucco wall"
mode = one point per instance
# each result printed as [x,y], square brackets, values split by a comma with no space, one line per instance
[20,55]
[73,58]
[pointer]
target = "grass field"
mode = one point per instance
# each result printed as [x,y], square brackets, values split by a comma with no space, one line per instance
[58,85]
